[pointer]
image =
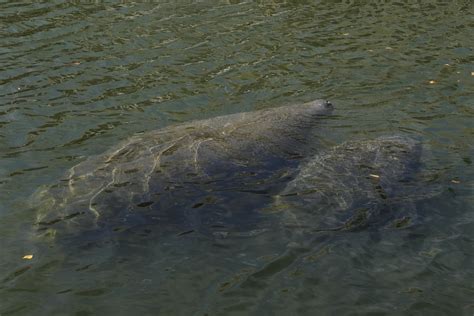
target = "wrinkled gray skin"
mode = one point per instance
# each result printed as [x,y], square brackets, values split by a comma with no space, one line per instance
[353,185]
[203,175]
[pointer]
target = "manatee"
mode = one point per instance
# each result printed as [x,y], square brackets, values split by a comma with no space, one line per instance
[354,185]
[206,175]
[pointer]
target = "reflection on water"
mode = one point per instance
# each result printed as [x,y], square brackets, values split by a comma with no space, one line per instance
[77,79]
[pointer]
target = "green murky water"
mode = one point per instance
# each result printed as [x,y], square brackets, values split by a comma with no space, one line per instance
[78,78]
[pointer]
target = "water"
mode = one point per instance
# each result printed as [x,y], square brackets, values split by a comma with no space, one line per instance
[77,78]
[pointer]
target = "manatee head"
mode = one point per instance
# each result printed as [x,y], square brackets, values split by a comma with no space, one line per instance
[319,106]
[287,129]
[306,112]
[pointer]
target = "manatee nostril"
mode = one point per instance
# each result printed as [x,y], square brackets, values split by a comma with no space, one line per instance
[328,104]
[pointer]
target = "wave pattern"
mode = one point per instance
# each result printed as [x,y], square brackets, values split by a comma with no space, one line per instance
[77,78]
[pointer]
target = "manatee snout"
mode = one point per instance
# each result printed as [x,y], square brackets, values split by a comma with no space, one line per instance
[319,106]
[328,104]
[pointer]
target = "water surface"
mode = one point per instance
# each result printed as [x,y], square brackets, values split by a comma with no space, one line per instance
[77,78]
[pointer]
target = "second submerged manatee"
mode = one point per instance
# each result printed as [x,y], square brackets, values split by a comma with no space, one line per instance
[352,185]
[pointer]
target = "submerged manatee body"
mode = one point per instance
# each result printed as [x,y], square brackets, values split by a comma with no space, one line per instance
[353,185]
[204,175]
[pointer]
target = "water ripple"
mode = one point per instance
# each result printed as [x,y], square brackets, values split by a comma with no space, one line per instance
[77,78]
